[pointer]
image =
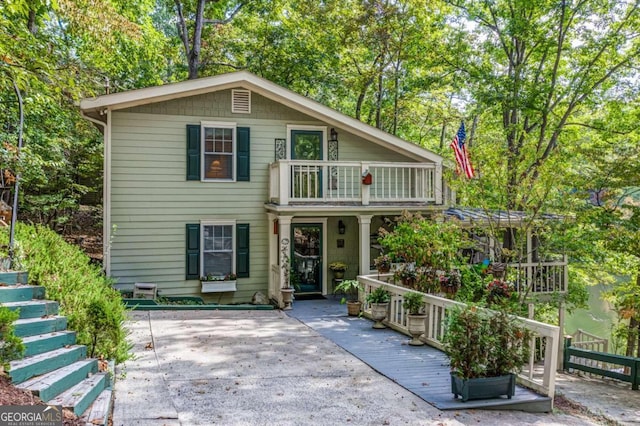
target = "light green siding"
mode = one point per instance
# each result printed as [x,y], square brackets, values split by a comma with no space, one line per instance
[151,200]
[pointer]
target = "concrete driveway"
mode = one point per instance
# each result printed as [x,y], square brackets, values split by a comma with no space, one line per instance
[265,368]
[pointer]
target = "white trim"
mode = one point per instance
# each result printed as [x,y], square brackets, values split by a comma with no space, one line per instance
[234,136]
[302,127]
[267,89]
[231,223]
[323,221]
[106,198]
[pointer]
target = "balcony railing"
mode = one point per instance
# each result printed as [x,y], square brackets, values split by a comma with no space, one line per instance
[298,181]
[437,309]
[540,277]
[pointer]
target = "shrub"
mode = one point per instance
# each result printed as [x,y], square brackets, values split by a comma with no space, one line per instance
[11,346]
[482,343]
[81,289]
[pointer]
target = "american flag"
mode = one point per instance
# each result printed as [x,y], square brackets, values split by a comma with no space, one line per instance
[460,150]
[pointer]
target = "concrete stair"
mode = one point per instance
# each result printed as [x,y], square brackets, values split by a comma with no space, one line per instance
[54,367]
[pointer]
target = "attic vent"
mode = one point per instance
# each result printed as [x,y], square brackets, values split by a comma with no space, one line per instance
[241,101]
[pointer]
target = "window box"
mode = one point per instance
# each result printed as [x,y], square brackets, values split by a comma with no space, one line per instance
[218,286]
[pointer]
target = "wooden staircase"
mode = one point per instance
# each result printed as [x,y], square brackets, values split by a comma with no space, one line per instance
[54,367]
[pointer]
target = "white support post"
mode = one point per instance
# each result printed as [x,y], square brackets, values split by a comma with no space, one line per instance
[365,243]
[272,223]
[284,248]
[561,315]
[439,187]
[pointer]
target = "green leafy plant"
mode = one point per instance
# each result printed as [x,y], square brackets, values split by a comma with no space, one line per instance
[413,302]
[350,288]
[379,295]
[482,343]
[11,346]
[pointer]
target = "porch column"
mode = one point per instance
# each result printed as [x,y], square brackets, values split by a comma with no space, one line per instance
[365,243]
[272,223]
[284,247]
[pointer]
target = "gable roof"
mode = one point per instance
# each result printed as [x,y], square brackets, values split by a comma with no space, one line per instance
[116,101]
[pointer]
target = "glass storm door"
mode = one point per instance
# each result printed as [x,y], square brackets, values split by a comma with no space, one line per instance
[306,263]
[306,179]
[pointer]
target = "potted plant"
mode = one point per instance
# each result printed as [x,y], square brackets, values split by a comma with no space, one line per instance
[486,349]
[379,299]
[338,269]
[407,275]
[382,263]
[350,290]
[413,303]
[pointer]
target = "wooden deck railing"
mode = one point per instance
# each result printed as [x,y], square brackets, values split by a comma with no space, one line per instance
[437,309]
[342,181]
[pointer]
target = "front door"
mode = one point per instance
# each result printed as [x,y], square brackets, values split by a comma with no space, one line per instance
[306,263]
[307,179]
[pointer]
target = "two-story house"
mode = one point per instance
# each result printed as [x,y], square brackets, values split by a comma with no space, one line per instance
[221,176]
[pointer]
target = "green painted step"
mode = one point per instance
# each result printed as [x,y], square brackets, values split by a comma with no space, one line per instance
[40,343]
[13,278]
[34,326]
[34,308]
[98,413]
[20,292]
[26,368]
[53,383]
[79,397]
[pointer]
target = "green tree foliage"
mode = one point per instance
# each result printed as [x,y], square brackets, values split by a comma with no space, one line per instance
[57,52]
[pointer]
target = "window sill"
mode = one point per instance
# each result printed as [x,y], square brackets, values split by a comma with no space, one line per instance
[217,286]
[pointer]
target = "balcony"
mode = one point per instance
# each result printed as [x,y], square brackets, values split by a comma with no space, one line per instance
[314,182]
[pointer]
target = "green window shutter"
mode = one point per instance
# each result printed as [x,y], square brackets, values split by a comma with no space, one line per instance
[243,154]
[193,152]
[242,250]
[193,251]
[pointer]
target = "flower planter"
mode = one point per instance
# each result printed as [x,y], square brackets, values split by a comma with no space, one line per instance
[483,387]
[217,286]
[379,313]
[353,308]
[416,326]
[338,275]
[287,298]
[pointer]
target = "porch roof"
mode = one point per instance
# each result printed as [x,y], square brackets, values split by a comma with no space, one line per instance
[500,218]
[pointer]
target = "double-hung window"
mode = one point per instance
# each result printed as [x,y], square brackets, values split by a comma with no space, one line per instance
[218,249]
[218,151]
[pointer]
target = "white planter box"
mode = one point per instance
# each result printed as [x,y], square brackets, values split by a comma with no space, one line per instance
[217,286]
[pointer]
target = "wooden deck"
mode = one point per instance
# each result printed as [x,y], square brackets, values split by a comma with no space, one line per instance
[422,370]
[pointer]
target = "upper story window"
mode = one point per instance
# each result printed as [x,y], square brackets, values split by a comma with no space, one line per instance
[218,151]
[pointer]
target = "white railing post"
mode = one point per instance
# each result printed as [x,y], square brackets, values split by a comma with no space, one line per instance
[366,189]
[285,182]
